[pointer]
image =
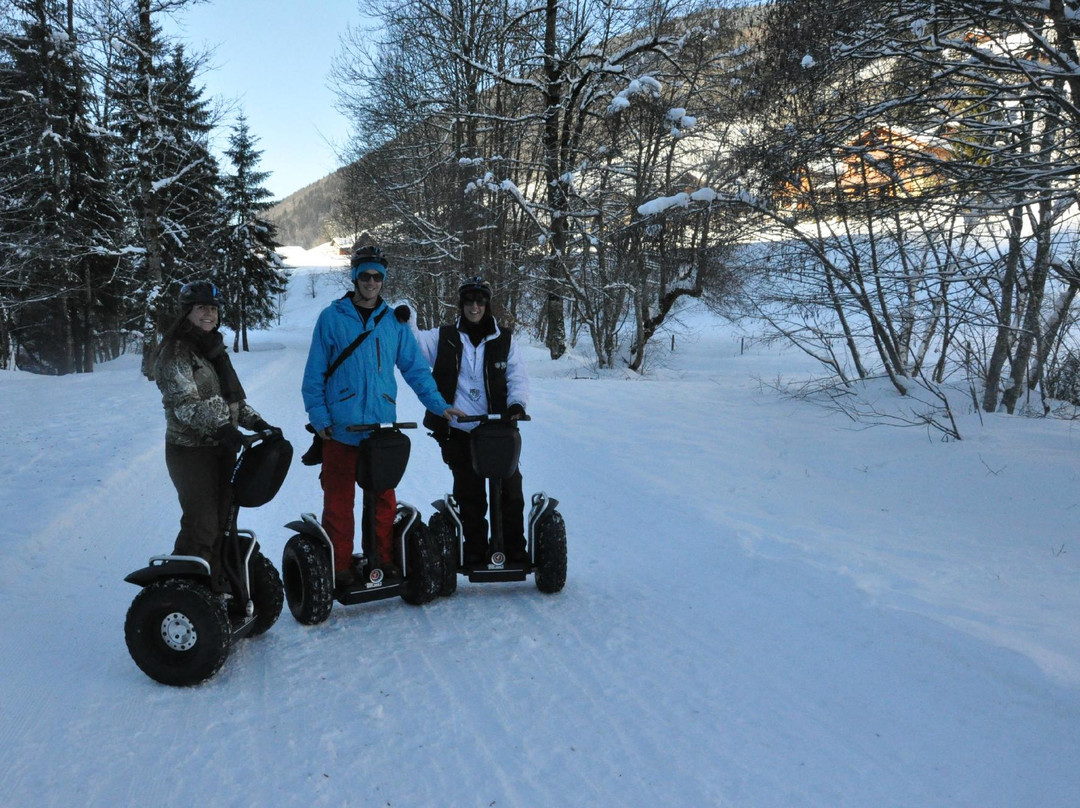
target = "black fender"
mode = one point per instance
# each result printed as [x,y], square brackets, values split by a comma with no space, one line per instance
[407,516]
[308,525]
[448,507]
[552,504]
[542,508]
[306,529]
[170,567]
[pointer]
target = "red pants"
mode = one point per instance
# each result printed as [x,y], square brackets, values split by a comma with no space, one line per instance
[338,479]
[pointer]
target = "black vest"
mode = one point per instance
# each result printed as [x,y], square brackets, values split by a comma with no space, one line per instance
[448,365]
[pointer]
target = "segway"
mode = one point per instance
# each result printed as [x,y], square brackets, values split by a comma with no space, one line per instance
[307,563]
[496,447]
[178,630]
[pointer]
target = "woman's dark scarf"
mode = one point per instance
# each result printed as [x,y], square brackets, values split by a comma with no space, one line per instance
[210,345]
[476,332]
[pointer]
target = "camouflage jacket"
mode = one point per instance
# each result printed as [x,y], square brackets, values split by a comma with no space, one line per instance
[191,395]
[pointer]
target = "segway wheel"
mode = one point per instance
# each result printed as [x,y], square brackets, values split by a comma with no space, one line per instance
[423,564]
[305,571]
[445,539]
[551,553]
[177,631]
[267,593]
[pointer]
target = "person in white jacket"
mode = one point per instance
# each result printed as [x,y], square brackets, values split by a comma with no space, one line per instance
[478,369]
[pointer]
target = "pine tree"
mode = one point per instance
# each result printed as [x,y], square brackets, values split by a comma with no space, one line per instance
[95,217]
[60,219]
[166,170]
[194,228]
[136,113]
[252,276]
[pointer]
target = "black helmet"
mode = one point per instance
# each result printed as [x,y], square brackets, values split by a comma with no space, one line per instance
[475,285]
[366,254]
[200,292]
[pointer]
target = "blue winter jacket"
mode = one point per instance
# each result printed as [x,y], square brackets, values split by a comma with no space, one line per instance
[363,389]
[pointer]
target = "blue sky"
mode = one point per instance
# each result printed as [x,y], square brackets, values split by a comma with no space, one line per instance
[273,58]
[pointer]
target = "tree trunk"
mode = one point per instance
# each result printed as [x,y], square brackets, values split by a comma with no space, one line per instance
[68,359]
[1002,342]
[1030,329]
[151,226]
[556,188]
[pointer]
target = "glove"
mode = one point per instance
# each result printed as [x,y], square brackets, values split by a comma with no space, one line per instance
[402,313]
[229,436]
[262,426]
[515,411]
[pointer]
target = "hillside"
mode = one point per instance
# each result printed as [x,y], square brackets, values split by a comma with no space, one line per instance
[301,217]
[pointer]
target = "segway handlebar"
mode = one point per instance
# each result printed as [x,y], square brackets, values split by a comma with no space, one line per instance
[256,437]
[491,416]
[370,427]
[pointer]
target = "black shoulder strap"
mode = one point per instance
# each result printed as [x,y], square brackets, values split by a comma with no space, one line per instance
[352,346]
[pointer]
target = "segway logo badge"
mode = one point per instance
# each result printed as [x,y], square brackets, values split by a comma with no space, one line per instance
[497,559]
[375,577]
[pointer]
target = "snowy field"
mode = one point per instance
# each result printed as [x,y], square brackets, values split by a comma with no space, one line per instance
[765,607]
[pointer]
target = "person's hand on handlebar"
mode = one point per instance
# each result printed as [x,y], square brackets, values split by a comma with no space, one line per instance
[515,412]
[262,426]
[326,433]
[229,436]
[452,412]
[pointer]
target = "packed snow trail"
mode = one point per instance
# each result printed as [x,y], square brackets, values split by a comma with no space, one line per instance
[729,634]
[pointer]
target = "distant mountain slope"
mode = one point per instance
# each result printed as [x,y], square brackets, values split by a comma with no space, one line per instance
[302,217]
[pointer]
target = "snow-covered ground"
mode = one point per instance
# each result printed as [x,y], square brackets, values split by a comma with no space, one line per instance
[765,607]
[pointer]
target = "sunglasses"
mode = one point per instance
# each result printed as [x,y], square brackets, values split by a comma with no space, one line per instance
[370,277]
[479,300]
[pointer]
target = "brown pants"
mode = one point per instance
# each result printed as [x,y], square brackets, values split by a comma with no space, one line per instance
[201,475]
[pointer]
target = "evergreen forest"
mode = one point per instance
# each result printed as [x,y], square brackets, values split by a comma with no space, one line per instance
[110,196]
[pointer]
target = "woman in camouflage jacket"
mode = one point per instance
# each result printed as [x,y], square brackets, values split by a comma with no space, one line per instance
[204,404]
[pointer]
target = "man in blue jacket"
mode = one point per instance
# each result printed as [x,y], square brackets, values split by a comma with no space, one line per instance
[360,390]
